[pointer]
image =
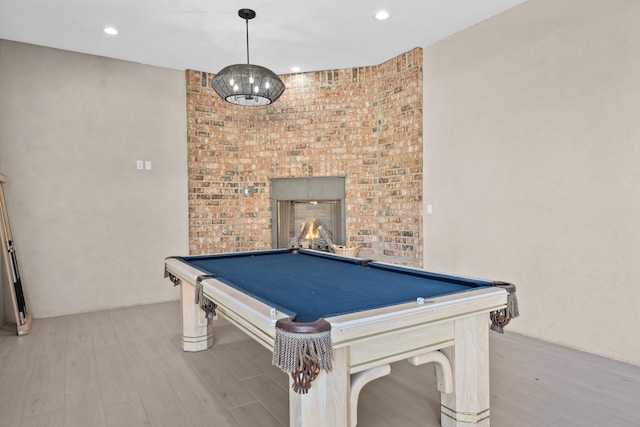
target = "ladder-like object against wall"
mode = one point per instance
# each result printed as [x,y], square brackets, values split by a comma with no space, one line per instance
[23,318]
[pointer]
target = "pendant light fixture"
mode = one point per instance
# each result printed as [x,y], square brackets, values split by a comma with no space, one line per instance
[247,84]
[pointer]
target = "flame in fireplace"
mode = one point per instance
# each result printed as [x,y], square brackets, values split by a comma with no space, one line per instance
[313,232]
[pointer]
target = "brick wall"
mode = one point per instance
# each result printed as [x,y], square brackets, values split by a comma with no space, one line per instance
[364,124]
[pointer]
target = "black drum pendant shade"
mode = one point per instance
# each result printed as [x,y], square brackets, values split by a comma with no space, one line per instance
[247,84]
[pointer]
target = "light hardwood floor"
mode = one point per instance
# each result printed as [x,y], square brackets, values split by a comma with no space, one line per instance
[125,367]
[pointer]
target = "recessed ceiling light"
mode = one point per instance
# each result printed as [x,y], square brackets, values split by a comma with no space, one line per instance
[295,69]
[382,15]
[111,31]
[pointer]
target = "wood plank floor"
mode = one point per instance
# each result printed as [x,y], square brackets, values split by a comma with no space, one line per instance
[125,367]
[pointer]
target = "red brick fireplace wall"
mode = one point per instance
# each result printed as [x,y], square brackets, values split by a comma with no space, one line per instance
[363,124]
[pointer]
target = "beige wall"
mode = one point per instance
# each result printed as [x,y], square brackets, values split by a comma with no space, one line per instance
[91,231]
[532,165]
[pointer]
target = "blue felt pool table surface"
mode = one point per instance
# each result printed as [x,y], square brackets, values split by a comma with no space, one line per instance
[308,285]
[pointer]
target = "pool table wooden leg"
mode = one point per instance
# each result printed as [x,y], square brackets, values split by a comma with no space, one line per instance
[197,331]
[468,404]
[327,401]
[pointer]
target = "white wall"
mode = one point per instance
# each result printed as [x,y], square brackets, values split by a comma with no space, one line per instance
[91,232]
[532,164]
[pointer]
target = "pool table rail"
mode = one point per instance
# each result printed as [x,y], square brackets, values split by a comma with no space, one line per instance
[387,337]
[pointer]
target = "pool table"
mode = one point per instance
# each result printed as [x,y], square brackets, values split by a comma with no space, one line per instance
[336,323]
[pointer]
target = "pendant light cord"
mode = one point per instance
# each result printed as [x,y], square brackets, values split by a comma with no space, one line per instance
[247,22]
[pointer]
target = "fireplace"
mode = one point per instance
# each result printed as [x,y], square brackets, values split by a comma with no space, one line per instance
[307,212]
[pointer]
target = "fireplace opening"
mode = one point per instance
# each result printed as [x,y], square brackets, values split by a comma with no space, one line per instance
[309,223]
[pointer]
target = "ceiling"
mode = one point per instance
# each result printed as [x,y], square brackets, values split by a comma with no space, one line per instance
[209,35]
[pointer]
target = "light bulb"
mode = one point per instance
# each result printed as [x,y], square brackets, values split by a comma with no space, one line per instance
[382,15]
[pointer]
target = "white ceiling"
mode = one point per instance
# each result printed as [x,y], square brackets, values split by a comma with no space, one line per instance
[207,35]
